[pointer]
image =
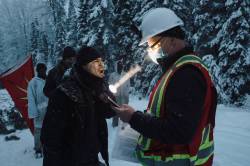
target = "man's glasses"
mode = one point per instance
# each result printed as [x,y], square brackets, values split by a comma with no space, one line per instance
[153,46]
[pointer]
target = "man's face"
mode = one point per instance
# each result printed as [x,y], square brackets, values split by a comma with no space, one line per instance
[154,49]
[95,67]
[154,43]
[159,47]
[69,62]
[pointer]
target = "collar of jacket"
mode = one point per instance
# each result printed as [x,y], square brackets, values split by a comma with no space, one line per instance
[39,78]
[71,88]
[79,83]
[168,61]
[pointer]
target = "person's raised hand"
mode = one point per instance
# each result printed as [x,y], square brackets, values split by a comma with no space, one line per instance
[125,112]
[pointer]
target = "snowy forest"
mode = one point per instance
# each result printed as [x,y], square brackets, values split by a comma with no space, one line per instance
[217,29]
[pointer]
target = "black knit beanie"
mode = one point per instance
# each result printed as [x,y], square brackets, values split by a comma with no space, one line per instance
[87,54]
[68,52]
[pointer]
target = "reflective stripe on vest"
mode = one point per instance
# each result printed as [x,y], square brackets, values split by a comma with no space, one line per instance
[206,147]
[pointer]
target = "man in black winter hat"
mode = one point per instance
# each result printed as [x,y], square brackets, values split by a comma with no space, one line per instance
[74,129]
[56,74]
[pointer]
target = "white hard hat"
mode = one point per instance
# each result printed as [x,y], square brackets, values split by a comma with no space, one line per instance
[156,21]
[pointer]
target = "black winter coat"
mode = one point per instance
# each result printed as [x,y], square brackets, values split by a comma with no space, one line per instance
[53,79]
[74,129]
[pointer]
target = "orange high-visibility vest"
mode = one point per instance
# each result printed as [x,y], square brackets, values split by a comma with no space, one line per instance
[200,151]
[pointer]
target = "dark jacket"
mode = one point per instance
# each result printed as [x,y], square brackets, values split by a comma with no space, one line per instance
[184,99]
[74,129]
[54,78]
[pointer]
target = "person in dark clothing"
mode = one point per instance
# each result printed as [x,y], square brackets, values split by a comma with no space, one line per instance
[177,128]
[56,74]
[74,129]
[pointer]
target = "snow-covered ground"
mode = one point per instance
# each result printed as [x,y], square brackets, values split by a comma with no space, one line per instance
[5,102]
[232,141]
[232,137]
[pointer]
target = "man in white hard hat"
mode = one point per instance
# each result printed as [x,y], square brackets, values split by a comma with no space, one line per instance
[177,128]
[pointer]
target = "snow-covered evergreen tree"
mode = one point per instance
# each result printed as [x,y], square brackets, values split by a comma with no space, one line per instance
[183,9]
[219,30]
[15,24]
[35,39]
[214,68]
[59,16]
[60,39]
[233,41]
[44,49]
[124,31]
[82,23]
[95,23]
[207,22]
[223,32]
[1,52]
[71,24]
[123,22]
[108,36]
[1,44]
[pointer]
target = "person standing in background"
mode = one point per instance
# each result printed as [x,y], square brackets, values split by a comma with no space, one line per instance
[122,94]
[37,105]
[57,74]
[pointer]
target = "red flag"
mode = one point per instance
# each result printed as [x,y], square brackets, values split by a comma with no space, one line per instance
[16,80]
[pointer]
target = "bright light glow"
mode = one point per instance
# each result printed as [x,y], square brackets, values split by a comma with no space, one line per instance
[112,88]
[132,71]
[153,55]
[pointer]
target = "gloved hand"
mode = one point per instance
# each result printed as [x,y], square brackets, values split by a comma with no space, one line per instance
[125,112]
